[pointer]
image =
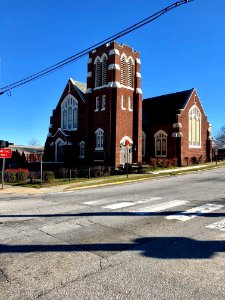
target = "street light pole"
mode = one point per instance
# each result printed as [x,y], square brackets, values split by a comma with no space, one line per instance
[3,169]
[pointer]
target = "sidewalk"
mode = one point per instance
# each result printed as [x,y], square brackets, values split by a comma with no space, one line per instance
[17,190]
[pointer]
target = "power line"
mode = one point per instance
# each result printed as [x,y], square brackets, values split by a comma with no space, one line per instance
[84,52]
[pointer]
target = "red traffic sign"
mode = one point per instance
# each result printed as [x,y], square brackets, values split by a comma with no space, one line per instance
[5,153]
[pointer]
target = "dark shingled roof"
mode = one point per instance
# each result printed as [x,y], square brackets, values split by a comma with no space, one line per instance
[164,108]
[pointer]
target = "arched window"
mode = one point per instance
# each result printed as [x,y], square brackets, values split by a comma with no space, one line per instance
[59,150]
[69,113]
[104,69]
[160,143]
[123,70]
[194,127]
[99,135]
[82,149]
[130,72]
[97,72]
[143,143]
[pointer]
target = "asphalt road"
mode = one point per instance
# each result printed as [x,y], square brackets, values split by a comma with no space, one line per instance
[157,239]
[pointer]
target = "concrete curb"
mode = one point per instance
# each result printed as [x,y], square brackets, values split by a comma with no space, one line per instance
[22,191]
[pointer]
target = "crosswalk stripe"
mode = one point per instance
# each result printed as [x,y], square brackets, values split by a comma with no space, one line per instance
[159,207]
[119,205]
[220,225]
[104,201]
[194,212]
[150,199]
[96,202]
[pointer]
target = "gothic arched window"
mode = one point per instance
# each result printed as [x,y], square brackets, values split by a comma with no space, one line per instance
[69,113]
[97,72]
[130,72]
[194,127]
[99,135]
[123,70]
[59,150]
[104,69]
[160,143]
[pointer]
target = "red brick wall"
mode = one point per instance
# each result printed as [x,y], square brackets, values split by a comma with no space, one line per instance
[187,152]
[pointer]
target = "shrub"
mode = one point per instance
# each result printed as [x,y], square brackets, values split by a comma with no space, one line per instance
[165,163]
[10,176]
[22,175]
[153,162]
[63,173]
[13,175]
[174,162]
[49,176]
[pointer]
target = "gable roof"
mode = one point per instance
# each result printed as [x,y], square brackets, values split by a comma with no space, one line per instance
[80,85]
[165,107]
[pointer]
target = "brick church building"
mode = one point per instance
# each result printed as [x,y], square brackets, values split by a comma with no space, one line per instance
[100,123]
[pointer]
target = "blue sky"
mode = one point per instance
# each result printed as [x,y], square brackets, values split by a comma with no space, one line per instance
[184,48]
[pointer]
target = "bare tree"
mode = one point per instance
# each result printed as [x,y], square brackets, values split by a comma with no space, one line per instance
[220,138]
[34,142]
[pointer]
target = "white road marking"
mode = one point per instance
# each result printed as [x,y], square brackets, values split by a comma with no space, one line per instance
[148,200]
[159,207]
[103,201]
[194,212]
[220,225]
[96,202]
[119,205]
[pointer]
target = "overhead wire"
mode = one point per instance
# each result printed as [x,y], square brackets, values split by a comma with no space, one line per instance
[84,52]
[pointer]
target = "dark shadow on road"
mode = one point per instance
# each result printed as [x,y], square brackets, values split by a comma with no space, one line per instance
[114,214]
[157,247]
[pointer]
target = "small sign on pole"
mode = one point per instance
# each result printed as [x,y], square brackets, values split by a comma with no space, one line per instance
[5,153]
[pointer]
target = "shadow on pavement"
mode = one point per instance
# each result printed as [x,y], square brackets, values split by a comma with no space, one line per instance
[157,247]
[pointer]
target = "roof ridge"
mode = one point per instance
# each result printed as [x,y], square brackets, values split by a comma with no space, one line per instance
[169,94]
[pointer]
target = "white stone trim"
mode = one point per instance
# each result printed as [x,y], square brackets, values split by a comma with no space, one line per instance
[138,91]
[100,87]
[89,91]
[114,67]
[114,52]
[126,87]
[130,58]
[126,138]
[177,125]
[138,61]
[89,74]
[114,84]
[138,74]
[177,134]
[94,51]
[90,60]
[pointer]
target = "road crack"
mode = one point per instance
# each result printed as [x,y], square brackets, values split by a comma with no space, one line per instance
[5,276]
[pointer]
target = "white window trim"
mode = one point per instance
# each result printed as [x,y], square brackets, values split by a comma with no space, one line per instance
[56,146]
[123,99]
[155,136]
[103,101]
[143,143]
[129,103]
[96,133]
[82,144]
[62,111]
[191,146]
[97,104]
